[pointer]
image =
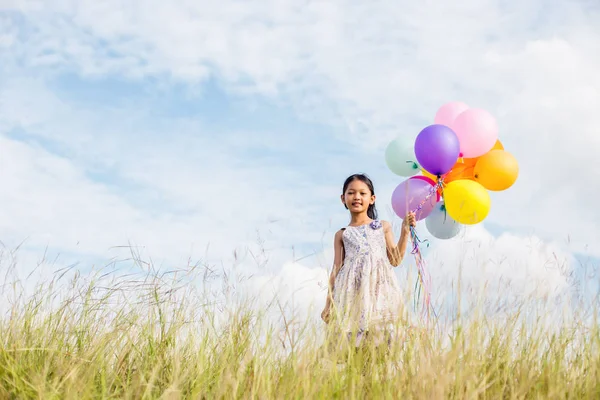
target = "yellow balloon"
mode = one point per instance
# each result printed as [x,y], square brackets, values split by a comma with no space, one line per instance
[430,176]
[497,170]
[467,201]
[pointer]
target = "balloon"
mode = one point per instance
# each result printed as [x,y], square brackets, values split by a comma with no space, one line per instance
[440,224]
[498,145]
[447,113]
[467,201]
[497,170]
[467,162]
[437,148]
[411,193]
[461,170]
[400,156]
[431,181]
[465,167]
[477,132]
[428,175]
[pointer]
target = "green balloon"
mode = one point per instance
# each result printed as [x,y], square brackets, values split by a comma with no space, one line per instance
[400,157]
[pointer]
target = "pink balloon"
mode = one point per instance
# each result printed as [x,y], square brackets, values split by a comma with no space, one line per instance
[449,111]
[477,132]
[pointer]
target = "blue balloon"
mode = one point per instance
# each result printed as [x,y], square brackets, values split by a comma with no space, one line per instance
[440,224]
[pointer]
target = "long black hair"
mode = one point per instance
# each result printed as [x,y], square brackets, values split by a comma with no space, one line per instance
[372,210]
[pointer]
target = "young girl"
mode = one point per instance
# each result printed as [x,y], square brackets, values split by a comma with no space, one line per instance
[363,289]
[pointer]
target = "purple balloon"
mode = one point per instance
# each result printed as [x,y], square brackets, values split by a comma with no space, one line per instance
[412,194]
[437,149]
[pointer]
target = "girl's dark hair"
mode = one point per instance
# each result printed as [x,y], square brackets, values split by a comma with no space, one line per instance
[372,210]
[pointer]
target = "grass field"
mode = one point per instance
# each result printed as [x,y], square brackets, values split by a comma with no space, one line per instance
[163,336]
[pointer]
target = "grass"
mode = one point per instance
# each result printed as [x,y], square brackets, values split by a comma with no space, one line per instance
[166,336]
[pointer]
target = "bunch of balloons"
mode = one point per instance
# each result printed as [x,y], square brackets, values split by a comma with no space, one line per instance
[451,166]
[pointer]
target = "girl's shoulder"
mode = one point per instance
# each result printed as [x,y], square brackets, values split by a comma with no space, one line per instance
[386,225]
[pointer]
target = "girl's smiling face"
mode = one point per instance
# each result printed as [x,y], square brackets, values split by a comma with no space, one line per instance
[358,197]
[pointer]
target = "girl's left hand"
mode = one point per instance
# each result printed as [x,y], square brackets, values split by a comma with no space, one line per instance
[409,220]
[326,314]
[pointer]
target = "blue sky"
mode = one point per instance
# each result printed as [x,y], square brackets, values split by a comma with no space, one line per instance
[237,124]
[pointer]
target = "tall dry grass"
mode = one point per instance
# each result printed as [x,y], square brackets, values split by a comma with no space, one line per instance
[171,335]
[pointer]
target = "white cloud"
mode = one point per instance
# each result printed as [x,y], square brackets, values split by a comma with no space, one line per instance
[507,271]
[510,266]
[388,66]
[167,185]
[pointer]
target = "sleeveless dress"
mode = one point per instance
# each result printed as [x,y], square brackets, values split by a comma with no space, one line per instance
[366,292]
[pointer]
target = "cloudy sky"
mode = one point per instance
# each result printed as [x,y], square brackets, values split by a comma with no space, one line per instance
[221,132]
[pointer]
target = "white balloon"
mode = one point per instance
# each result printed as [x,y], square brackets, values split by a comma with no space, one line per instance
[400,156]
[440,224]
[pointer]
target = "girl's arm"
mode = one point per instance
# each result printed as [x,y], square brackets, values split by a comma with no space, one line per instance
[396,251]
[338,260]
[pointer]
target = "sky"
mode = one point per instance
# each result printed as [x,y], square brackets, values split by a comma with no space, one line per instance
[220,134]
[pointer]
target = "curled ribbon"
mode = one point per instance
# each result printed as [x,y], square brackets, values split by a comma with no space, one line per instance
[423,276]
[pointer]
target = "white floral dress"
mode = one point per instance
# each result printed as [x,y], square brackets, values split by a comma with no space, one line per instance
[366,293]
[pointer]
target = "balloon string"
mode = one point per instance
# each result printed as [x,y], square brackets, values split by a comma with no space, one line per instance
[434,189]
[423,282]
[424,279]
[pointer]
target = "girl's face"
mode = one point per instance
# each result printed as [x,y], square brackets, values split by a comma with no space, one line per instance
[358,197]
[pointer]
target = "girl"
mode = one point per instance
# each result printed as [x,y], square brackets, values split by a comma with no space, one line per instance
[363,289]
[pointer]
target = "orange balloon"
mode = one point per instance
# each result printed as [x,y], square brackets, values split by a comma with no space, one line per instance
[498,146]
[461,164]
[464,167]
[460,171]
[496,170]
[467,162]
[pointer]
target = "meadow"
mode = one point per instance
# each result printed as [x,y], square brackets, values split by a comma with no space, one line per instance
[184,334]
